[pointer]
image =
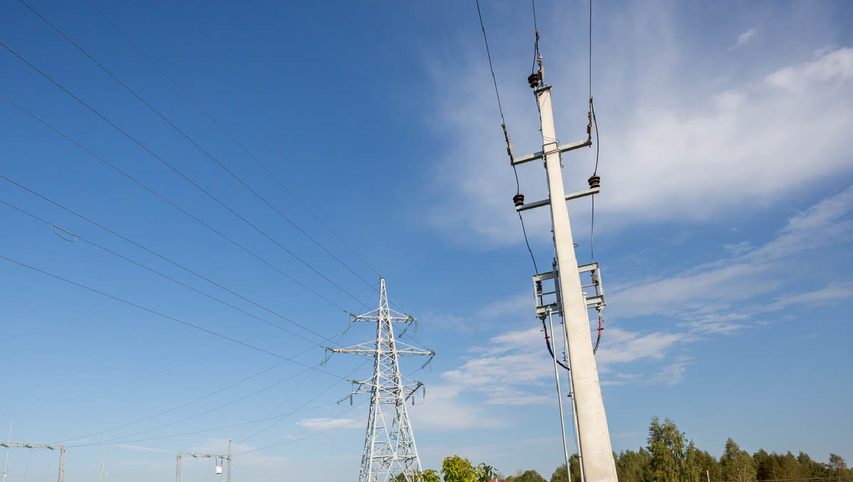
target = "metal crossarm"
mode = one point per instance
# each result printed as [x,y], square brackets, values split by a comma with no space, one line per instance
[23,445]
[389,444]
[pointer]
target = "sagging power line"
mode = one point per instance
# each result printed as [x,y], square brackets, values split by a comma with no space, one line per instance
[197,145]
[182,175]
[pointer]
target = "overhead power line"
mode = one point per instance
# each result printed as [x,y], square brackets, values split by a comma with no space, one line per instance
[132,380]
[181,174]
[178,407]
[197,145]
[168,317]
[163,275]
[234,139]
[170,203]
[503,125]
[164,258]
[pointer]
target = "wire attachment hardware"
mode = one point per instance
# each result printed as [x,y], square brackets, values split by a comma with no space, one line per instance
[54,227]
[330,352]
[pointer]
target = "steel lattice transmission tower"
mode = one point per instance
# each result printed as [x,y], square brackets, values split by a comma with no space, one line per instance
[389,444]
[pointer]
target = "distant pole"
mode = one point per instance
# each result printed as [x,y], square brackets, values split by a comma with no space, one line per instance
[103,459]
[228,476]
[6,464]
[560,398]
[708,473]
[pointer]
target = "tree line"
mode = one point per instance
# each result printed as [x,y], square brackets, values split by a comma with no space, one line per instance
[668,457]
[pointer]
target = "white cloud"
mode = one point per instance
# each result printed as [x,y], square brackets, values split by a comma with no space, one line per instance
[622,346]
[140,448]
[833,292]
[701,296]
[444,409]
[676,149]
[673,373]
[742,39]
[330,423]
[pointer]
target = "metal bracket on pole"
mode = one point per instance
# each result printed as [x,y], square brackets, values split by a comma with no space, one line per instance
[540,154]
[569,197]
[596,301]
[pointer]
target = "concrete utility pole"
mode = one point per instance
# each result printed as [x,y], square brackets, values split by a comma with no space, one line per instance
[595,454]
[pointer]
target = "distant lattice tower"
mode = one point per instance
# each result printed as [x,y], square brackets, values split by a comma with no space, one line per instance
[389,444]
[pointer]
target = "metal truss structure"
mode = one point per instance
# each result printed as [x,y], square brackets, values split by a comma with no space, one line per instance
[61,448]
[389,444]
[218,457]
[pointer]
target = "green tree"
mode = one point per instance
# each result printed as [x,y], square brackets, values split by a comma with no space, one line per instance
[575,467]
[527,476]
[631,466]
[837,465]
[707,465]
[672,460]
[811,468]
[457,469]
[737,464]
[561,474]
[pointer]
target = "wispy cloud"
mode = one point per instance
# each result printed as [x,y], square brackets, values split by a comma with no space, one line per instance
[674,150]
[330,423]
[743,38]
[140,448]
[702,297]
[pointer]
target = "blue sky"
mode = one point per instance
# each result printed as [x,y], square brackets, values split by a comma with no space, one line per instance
[724,227]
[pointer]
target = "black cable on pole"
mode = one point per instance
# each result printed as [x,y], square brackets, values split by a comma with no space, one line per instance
[168,317]
[506,134]
[167,201]
[234,139]
[182,175]
[550,349]
[597,146]
[199,147]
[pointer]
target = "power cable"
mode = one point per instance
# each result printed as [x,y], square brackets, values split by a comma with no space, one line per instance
[128,382]
[277,407]
[199,147]
[178,282]
[215,392]
[597,145]
[27,470]
[174,263]
[168,317]
[49,463]
[234,139]
[276,422]
[196,432]
[121,439]
[506,134]
[182,175]
[289,439]
[167,201]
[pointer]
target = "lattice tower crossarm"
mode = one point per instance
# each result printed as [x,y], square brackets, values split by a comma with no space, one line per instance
[389,448]
[226,457]
[61,448]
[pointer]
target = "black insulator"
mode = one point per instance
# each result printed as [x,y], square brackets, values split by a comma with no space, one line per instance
[518,199]
[533,80]
[539,287]
[594,182]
